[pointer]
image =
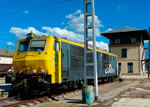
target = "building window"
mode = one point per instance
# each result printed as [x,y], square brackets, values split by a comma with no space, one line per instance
[130,67]
[124,52]
[112,41]
[117,41]
[133,40]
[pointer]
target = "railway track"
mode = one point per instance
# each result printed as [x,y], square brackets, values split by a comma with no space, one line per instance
[28,102]
[4,99]
[33,101]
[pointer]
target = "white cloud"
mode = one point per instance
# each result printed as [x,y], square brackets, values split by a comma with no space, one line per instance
[74,31]
[26,11]
[62,23]
[63,33]
[76,23]
[21,33]
[146,41]
[69,16]
[108,30]
[10,43]
[78,12]
[73,15]
[101,45]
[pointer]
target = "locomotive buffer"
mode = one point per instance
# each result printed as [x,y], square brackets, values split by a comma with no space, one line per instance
[89,5]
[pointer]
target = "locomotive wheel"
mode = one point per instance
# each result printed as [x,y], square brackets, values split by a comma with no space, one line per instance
[75,84]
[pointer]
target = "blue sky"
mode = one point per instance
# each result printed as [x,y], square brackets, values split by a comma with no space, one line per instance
[66,19]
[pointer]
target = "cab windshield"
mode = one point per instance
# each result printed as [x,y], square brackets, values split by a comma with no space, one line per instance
[37,45]
[23,46]
[32,45]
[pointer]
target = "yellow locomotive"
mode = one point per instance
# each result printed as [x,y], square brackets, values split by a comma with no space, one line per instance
[46,62]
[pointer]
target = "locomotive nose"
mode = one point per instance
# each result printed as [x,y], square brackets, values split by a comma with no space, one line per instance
[30,67]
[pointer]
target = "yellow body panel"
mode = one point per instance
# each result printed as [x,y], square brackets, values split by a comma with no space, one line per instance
[28,61]
[49,60]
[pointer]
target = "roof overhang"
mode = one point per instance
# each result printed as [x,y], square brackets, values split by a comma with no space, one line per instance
[144,34]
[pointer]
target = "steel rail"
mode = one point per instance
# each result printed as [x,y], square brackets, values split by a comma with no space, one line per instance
[25,102]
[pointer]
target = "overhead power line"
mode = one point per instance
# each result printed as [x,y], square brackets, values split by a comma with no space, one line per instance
[12,36]
[14,4]
[2,45]
[6,34]
[35,8]
[7,40]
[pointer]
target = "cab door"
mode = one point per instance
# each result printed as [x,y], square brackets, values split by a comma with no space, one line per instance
[57,61]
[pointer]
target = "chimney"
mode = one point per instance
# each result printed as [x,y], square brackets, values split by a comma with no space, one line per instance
[7,49]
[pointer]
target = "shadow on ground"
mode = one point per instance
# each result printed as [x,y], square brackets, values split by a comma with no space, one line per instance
[76,101]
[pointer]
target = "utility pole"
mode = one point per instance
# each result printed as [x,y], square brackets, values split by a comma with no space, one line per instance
[87,4]
[149,55]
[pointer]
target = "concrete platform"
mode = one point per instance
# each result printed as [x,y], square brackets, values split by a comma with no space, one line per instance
[135,76]
[106,92]
[4,86]
[132,102]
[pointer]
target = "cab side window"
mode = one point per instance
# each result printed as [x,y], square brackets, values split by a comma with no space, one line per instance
[56,46]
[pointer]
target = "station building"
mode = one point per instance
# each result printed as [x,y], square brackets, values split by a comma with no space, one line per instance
[128,43]
[6,56]
[6,60]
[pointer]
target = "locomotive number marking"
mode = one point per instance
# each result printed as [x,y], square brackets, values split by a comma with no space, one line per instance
[56,57]
[109,69]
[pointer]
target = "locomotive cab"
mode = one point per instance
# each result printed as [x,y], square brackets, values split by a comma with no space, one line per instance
[36,61]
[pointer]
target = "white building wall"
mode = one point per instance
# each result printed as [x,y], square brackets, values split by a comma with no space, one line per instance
[6,60]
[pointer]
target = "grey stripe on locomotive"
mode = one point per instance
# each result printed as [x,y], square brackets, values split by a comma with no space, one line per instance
[73,63]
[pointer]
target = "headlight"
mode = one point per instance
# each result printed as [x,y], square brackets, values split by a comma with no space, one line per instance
[41,71]
[20,71]
[45,72]
[33,71]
